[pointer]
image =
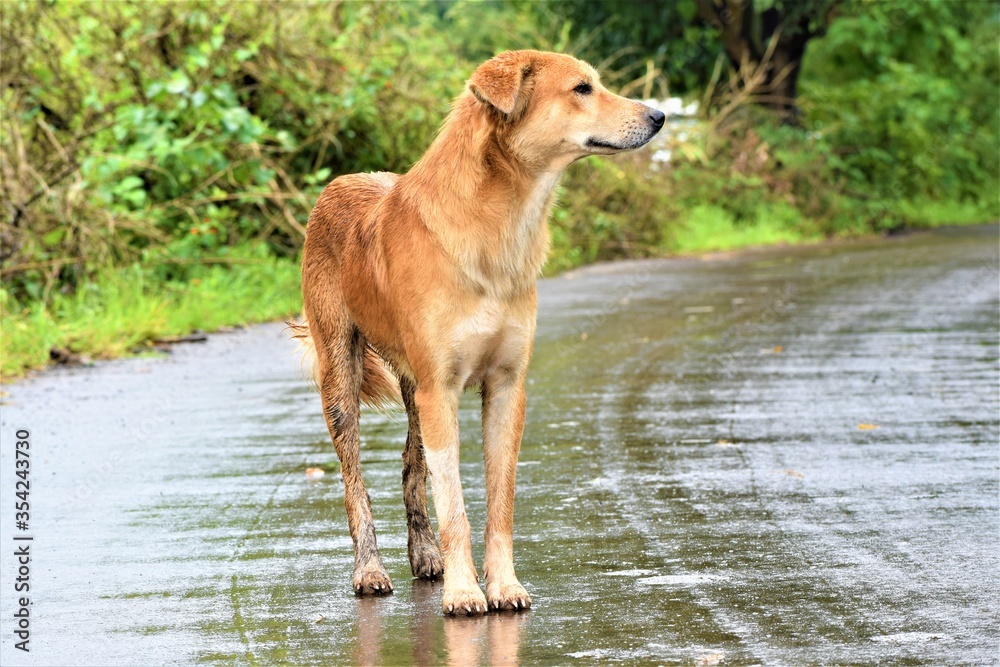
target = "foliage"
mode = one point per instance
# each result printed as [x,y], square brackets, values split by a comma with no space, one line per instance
[626,37]
[906,103]
[119,310]
[683,40]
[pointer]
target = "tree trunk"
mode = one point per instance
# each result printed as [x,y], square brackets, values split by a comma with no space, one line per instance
[781,86]
[735,21]
[746,37]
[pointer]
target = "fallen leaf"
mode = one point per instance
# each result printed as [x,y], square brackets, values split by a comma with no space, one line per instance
[314,473]
[793,473]
[867,427]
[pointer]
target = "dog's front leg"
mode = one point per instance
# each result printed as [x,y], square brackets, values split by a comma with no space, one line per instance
[503,423]
[438,408]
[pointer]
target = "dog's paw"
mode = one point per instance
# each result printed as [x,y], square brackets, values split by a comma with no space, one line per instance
[508,597]
[426,563]
[467,602]
[372,580]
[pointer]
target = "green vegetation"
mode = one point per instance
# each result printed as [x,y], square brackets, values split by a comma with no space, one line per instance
[118,310]
[159,161]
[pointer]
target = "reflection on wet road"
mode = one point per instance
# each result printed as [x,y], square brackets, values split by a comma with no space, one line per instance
[780,457]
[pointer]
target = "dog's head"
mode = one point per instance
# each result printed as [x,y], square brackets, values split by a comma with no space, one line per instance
[554,109]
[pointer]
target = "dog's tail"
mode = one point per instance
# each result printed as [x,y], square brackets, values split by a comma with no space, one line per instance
[379,386]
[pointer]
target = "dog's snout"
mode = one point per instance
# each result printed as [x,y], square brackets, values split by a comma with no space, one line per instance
[656,117]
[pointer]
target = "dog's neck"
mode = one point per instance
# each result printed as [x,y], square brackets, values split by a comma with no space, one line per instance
[486,182]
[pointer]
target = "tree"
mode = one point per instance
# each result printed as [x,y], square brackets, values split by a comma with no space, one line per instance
[773,36]
[623,37]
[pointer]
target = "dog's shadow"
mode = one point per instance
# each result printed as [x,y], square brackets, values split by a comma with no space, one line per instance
[467,640]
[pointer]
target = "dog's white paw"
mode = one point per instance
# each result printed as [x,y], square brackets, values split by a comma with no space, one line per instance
[508,597]
[463,601]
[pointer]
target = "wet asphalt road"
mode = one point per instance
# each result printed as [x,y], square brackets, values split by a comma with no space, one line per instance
[781,457]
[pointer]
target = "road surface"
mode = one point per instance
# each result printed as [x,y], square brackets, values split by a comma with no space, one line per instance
[778,457]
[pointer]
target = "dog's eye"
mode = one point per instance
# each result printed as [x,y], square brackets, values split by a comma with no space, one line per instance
[583,88]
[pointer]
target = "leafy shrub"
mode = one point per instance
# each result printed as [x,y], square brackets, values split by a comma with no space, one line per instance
[907,104]
[179,130]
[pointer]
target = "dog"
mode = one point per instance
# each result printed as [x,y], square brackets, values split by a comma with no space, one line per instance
[419,286]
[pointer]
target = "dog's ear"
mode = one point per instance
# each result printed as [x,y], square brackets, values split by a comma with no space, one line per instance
[502,82]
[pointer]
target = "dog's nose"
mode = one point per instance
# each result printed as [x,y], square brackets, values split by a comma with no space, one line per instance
[657,117]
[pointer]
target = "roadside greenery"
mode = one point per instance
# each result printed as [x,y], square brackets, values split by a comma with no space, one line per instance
[159,161]
[122,310]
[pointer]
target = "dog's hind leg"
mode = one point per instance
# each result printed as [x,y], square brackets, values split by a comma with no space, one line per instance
[425,558]
[340,349]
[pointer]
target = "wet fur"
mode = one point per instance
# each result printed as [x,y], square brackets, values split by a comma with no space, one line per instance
[417,287]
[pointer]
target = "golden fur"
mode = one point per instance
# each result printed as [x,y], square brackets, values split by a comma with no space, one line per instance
[417,287]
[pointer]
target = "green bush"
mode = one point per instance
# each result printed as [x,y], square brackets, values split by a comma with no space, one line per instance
[906,99]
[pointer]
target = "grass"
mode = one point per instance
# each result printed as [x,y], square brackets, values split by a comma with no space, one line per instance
[122,311]
[708,228]
[932,213]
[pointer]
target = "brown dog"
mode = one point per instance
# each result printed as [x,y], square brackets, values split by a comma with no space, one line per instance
[417,287]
